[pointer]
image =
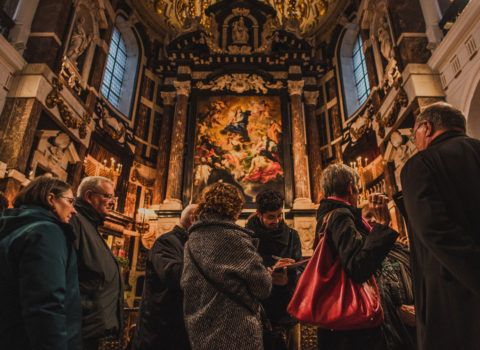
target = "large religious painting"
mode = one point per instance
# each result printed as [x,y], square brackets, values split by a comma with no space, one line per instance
[238,140]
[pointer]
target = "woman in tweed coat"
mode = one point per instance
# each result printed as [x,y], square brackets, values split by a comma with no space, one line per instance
[223,277]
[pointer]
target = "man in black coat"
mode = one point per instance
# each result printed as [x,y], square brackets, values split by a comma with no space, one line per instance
[277,240]
[160,322]
[441,186]
[100,281]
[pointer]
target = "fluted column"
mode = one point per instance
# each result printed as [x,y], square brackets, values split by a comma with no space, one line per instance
[173,197]
[168,98]
[299,147]
[313,135]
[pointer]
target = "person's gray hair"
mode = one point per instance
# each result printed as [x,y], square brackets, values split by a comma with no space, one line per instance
[187,213]
[443,116]
[91,183]
[336,178]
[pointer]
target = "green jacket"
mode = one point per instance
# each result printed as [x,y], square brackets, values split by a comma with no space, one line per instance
[39,295]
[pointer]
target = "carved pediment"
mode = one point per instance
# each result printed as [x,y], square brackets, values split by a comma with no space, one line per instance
[239,83]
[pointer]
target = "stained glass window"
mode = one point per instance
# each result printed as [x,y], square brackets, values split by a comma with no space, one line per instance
[115,69]
[360,72]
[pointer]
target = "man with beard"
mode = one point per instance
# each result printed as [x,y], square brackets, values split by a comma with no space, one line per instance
[277,241]
[100,281]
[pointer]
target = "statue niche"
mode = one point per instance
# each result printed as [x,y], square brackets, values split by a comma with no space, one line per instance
[239,32]
[240,35]
[79,41]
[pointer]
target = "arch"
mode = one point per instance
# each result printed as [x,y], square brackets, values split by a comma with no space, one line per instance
[351,99]
[129,40]
[472,112]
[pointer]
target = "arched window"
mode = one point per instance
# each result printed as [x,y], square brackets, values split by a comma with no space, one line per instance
[360,72]
[115,69]
[353,70]
[119,79]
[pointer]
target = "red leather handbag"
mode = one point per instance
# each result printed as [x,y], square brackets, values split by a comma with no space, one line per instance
[327,298]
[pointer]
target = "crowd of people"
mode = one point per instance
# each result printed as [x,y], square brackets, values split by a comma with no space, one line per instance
[212,284]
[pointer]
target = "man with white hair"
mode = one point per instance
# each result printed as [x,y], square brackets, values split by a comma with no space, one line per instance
[101,286]
[441,190]
[160,322]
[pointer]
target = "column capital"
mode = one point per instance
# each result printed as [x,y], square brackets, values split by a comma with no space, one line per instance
[168,97]
[295,87]
[182,87]
[311,97]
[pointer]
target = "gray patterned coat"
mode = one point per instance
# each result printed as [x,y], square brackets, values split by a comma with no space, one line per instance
[227,256]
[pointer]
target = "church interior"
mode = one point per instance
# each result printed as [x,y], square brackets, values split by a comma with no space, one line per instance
[165,97]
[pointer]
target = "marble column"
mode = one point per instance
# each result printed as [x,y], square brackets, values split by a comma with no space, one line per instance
[24,14]
[18,123]
[168,98]
[299,148]
[313,135]
[337,132]
[431,14]
[173,197]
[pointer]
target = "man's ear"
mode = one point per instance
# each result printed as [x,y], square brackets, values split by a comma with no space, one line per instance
[259,215]
[350,188]
[429,129]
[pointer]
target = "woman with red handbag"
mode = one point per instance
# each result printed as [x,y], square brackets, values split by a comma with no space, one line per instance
[337,291]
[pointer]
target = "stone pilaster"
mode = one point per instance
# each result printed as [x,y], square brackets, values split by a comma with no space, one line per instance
[313,135]
[173,197]
[163,147]
[299,148]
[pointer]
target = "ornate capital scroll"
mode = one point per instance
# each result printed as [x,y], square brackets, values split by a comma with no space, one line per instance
[311,97]
[295,87]
[54,99]
[168,97]
[182,87]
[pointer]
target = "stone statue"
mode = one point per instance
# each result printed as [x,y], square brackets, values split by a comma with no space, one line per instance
[383,35]
[79,41]
[239,32]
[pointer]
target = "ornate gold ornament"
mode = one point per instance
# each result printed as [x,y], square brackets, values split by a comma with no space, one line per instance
[239,82]
[144,181]
[54,99]
[109,124]
[178,14]
[387,121]
[364,123]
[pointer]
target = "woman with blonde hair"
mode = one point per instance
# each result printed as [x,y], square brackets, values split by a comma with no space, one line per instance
[223,277]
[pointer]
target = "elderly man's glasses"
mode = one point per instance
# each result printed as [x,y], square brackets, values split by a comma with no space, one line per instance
[106,195]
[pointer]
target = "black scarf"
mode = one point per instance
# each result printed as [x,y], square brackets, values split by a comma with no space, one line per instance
[272,242]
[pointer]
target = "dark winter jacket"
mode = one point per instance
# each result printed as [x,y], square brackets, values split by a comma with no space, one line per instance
[101,285]
[160,321]
[39,296]
[441,190]
[283,242]
[361,254]
[223,280]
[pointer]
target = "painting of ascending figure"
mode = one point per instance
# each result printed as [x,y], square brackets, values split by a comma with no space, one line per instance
[238,139]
